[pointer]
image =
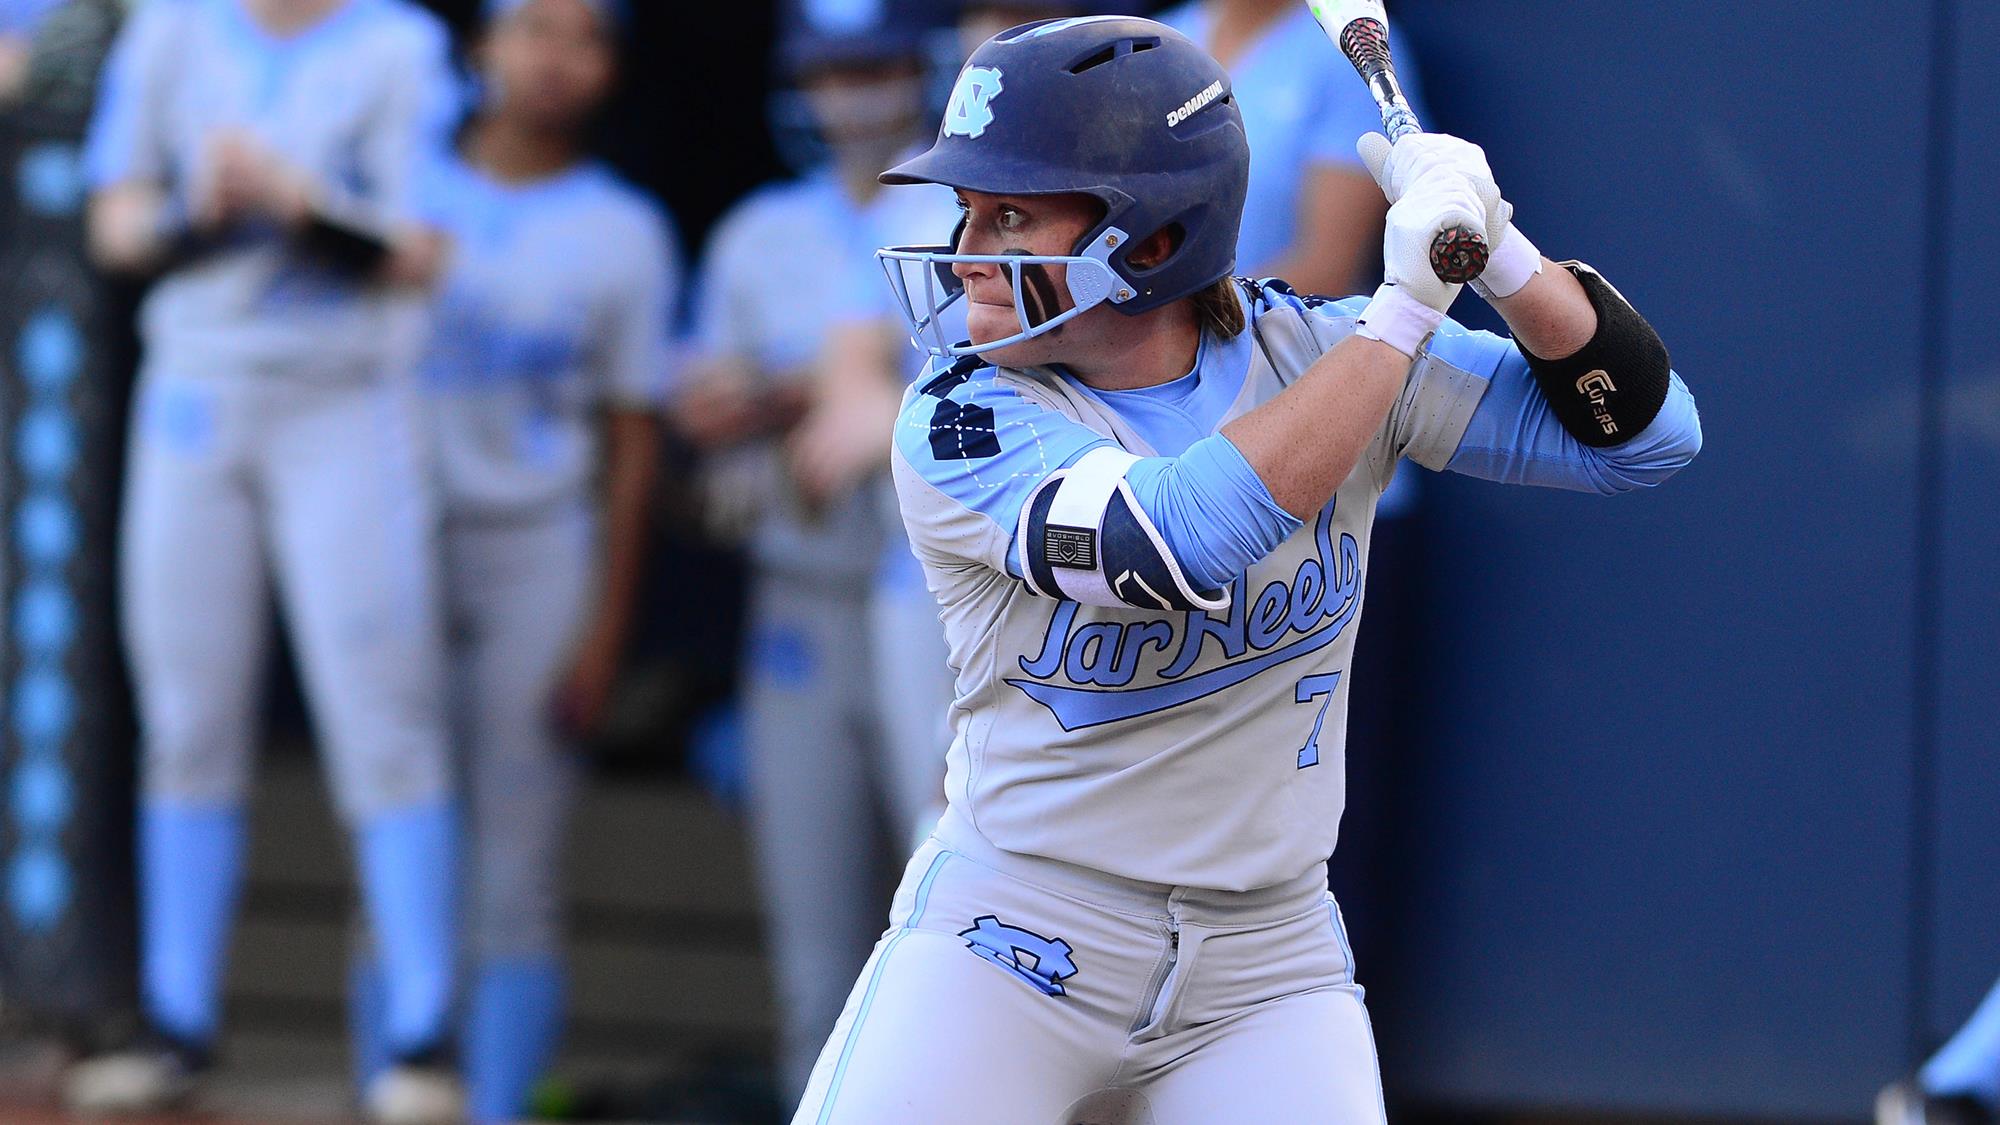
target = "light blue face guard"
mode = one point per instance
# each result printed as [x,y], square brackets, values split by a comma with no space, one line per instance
[921,278]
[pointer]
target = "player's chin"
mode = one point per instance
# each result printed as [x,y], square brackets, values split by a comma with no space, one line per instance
[984,322]
[1024,354]
[997,322]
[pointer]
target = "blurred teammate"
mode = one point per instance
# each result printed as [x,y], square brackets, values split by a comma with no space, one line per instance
[544,378]
[820,762]
[980,20]
[18,20]
[1142,492]
[1312,215]
[259,155]
[1960,1085]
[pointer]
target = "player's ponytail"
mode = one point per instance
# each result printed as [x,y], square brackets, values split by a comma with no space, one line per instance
[1219,309]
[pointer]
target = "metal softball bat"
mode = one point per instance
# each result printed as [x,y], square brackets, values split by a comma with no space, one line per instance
[1360,28]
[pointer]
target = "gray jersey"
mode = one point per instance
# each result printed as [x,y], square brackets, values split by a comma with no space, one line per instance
[353,101]
[749,309]
[556,303]
[1205,747]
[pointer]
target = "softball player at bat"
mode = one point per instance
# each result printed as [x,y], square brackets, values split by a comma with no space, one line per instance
[544,379]
[1142,492]
[259,155]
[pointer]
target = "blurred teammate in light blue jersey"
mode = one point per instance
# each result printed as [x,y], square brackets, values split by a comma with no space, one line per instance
[1312,215]
[259,156]
[799,467]
[544,377]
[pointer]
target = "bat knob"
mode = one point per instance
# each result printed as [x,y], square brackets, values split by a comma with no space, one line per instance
[1458,254]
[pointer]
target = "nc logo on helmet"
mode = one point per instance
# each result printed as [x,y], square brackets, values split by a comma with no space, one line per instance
[971,109]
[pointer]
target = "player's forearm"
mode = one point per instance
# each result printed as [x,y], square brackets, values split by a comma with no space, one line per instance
[860,357]
[1604,372]
[1304,442]
[1551,316]
[631,472]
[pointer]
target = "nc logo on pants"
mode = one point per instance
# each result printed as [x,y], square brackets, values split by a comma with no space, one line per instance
[1042,962]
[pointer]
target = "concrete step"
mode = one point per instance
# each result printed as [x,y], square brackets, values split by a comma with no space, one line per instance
[666,952]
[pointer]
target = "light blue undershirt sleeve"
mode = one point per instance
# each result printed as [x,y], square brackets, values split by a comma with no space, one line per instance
[1214,511]
[1513,437]
[983,450]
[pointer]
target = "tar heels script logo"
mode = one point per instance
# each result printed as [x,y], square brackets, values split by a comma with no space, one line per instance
[1084,674]
[971,108]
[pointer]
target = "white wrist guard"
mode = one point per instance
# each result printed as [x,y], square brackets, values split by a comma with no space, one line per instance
[1398,319]
[1512,264]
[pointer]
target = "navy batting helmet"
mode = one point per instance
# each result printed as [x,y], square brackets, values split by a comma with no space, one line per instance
[1120,108]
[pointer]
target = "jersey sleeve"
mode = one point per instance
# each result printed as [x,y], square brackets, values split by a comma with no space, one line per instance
[127,138]
[638,326]
[991,477]
[1472,406]
[721,325]
[414,116]
[439,190]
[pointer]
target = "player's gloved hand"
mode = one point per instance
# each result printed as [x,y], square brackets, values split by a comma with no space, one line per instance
[1411,301]
[1421,156]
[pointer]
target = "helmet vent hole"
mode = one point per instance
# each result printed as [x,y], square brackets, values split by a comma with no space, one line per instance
[1092,62]
[1110,51]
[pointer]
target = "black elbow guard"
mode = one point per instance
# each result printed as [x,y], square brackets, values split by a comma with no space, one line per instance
[1614,387]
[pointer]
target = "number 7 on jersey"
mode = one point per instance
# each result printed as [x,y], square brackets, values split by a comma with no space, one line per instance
[1311,688]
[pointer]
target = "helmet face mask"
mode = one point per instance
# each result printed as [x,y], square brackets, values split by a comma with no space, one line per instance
[1118,108]
[925,286]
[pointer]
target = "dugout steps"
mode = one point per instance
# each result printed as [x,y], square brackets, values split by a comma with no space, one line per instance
[666,947]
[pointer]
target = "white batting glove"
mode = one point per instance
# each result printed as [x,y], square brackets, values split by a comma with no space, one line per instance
[1421,156]
[1412,301]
